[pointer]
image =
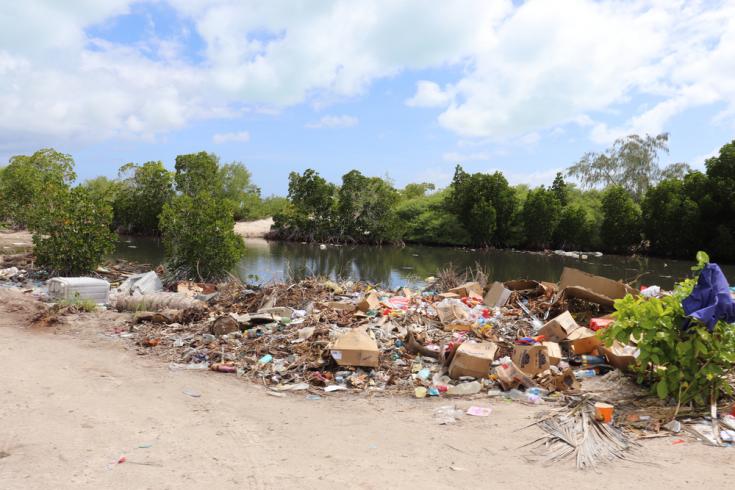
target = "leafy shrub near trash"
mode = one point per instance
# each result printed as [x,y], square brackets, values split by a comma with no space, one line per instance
[589,345]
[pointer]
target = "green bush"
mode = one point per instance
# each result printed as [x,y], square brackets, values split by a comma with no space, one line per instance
[73,236]
[198,237]
[689,365]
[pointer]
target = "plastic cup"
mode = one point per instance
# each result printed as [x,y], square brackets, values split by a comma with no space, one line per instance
[604,412]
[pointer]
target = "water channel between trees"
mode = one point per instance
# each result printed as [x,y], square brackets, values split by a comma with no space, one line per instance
[391,266]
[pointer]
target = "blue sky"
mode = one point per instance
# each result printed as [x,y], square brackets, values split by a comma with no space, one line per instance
[405,89]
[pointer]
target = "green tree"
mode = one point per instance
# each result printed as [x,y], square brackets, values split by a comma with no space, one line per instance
[718,208]
[31,183]
[365,209]
[575,230]
[669,219]
[197,172]
[312,212]
[415,190]
[103,189]
[237,186]
[485,205]
[73,236]
[560,189]
[426,220]
[631,162]
[541,213]
[198,237]
[621,224]
[144,190]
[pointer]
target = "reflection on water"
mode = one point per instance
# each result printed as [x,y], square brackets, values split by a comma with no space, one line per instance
[266,261]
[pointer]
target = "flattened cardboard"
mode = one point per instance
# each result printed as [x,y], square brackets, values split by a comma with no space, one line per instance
[558,328]
[370,301]
[575,283]
[356,348]
[522,284]
[584,341]
[531,359]
[554,351]
[510,376]
[497,295]
[473,359]
[340,305]
[467,289]
[616,356]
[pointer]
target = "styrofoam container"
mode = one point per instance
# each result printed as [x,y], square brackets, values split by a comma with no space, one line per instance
[83,288]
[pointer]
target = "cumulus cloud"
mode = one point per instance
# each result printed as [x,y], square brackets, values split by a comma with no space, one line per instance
[237,137]
[333,122]
[519,68]
[429,94]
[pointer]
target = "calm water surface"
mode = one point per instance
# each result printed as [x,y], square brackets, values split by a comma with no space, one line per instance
[267,261]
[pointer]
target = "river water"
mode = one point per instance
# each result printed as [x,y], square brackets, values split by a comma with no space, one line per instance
[390,266]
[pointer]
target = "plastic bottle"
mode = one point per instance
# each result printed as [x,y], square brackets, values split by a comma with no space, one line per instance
[525,397]
[585,360]
[470,388]
[585,373]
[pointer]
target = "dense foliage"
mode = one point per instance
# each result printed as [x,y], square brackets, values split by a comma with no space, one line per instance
[73,236]
[197,224]
[688,365]
[144,189]
[32,183]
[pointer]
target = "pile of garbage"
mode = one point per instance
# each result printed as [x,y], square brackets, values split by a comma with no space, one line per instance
[523,337]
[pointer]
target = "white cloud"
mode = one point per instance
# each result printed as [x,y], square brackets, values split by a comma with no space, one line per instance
[429,94]
[520,69]
[240,137]
[334,122]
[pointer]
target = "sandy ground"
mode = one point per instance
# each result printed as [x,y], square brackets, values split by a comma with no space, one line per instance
[74,401]
[254,229]
[15,241]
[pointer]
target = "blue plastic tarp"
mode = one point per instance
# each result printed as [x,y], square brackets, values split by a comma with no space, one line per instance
[710,300]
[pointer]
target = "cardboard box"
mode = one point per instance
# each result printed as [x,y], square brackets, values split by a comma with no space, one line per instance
[467,289]
[497,295]
[370,301]
[558,328]
[575,283]
[531,359]
[620,356]
[509,376]
[473,359]
[356,348]
[554,351]
[584,341]
[566,381]
[448,295]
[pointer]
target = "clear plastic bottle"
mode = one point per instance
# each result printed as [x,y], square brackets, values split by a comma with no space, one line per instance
[585,373]
[470,388]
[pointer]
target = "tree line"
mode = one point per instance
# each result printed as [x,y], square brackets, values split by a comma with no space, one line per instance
[193,209]
[626,203]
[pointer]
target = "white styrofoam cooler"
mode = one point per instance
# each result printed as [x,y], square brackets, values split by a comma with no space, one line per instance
[86,288]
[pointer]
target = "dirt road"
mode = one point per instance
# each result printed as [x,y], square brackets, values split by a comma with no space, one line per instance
[74,401]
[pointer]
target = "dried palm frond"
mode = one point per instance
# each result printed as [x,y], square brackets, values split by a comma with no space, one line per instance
[576,434]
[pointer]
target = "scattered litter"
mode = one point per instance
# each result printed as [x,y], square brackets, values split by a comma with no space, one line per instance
[479,411]
[192,393]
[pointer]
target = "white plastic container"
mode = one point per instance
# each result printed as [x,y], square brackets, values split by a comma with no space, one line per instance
[83,288]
